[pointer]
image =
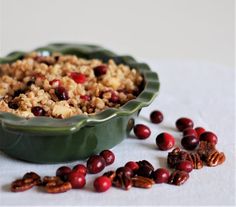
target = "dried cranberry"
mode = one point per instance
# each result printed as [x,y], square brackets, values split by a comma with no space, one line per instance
[190,131]
[95,164]
[161,175]
[125,170]
[156,117]
[189,142]
[100,70]
[13,105]
[183,123]
[76,179]
[102,184]
[209,137]
[78,77]
[114,98]
[108,156]
[85,97]
[38,111]
[18,92]
[165,141]
[29,83]
[80,169]
[55,83]
[61,93]
[132,165]
[63,172]
[184,165]
[142,131]
[199,130]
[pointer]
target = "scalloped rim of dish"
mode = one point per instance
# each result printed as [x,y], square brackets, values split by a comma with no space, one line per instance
[51,125]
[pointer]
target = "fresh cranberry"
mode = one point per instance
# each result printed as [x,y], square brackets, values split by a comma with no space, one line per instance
[125,170]
[189,142]
[78,77]
[76,179]
[165,141]
[13,105]
[209,137]
[156,117]
[55,83]
[95,164]
[199,130]
[38,111]
[102,184]
[142,131]
[108,156]
[100,70]
[132,165]
[185,165]
[61,93]
[190,131]
[183,123]
[63,172]
[114,98]
[80,169]
[85,97]
[161,175]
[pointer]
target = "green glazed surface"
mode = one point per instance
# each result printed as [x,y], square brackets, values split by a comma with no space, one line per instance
[48,140]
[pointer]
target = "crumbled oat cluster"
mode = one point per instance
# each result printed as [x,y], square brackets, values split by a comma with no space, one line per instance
[62,86]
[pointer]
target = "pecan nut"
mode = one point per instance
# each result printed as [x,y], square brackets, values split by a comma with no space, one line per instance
[110,174]
[215,158]
[28,181]
[195,159]
[55,185]
[178,177]
[175,156]
[204,149]
[145,163]
[122,181]
[142,182]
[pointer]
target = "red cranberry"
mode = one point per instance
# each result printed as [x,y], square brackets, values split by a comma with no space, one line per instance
[13,105]
[209,137]
[85,97]
[55,83]
[95,164]
[108,156]
[63,172]
[185,165]
[132,165]
[190,132]
[76,179]
[156,117]
[125,170]
[165,141]
[183,123]
[102,184]
[61,93]
[78,77]
[142,131]
[38,111]
[199,130]
[100,70]
[80,169]
[161,175]
[114,98]
[190,142]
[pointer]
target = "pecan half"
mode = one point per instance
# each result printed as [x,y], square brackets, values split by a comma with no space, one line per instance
[175,156]
[110,174]
[195,159]
[215,158]
[178,177]
[145,163]
[33,176]
[204,149]
[122,181]
[142,182]
[55,185]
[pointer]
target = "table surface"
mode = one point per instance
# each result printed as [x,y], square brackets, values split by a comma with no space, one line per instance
[199,90]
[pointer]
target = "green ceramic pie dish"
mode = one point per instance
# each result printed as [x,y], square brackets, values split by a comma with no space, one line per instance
[49,140]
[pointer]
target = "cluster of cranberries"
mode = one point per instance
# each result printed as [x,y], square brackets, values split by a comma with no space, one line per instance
[165,141]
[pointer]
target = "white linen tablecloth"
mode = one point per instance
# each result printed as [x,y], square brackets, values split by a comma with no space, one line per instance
[199,90]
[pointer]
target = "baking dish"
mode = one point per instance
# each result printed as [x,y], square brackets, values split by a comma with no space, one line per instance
[49,140]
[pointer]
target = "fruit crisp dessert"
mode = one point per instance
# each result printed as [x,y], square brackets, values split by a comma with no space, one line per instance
[61,86]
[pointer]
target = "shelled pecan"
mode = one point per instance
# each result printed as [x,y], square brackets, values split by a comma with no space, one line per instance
[175,156]
[55,185]
[178,177]
[142,182]
[195,159]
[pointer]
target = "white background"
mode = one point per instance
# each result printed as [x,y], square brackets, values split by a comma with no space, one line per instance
[190,43]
